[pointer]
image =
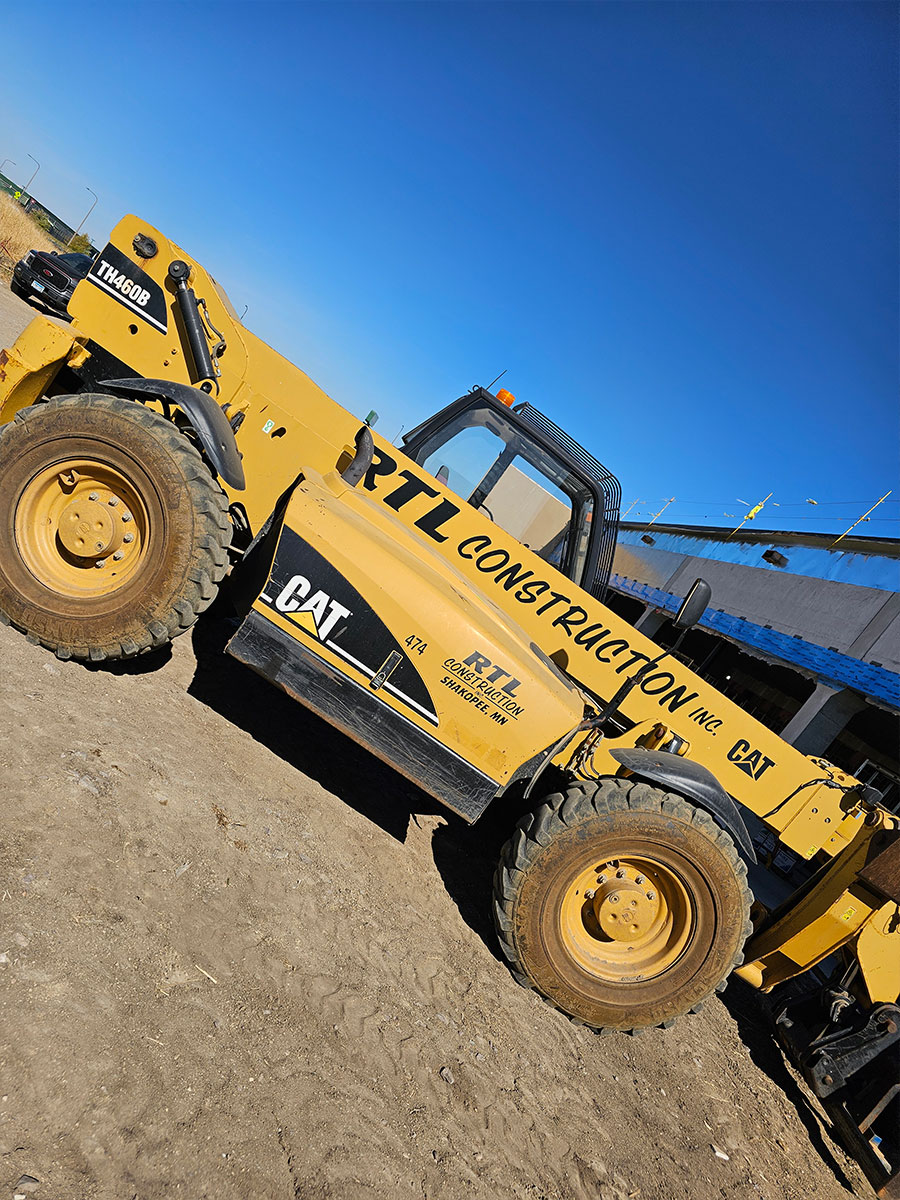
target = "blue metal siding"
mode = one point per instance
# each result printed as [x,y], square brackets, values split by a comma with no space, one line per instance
[832,667]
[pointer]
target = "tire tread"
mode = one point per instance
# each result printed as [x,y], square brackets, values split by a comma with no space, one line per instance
[212,538]
[562,811]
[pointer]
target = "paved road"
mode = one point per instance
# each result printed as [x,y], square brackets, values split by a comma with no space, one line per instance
[14,314]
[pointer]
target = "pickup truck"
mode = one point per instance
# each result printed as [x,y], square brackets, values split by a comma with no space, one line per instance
[49,277]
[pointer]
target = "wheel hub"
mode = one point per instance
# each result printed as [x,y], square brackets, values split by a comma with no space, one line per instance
[626,919]
[625,909]
[87,528]
[82,528]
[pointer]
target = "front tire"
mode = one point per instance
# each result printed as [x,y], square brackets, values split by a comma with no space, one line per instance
[623,905]
[114,534]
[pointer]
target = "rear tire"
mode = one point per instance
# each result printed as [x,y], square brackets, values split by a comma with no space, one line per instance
[623,905]
[114,535]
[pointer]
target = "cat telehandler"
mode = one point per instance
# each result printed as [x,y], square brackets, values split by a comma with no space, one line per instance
[442,604]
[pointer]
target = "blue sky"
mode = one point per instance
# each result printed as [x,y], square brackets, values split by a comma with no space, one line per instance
[674,225]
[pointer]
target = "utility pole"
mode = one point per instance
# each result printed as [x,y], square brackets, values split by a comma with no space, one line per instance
[25,192]
[86,215]
[661,511]
[754,511]
[862,518]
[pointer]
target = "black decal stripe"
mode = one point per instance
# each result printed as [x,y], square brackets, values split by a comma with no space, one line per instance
[427,713]
[359,712]
[360,638]
[117,295]
[371,672]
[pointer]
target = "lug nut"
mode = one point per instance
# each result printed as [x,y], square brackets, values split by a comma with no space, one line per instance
[589,895]
[601,879]
[113,501]
[101,562]
[129,537]
[94,496]
[118,554]
[126,516]
[651,895]
[639,880]
[621,874]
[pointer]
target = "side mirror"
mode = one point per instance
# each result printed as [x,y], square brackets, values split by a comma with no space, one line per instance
[694,605]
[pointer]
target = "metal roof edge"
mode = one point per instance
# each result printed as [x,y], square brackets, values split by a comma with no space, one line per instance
[884,546]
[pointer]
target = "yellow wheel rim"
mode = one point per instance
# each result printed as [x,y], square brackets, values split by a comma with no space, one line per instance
[627,919]
[81,528]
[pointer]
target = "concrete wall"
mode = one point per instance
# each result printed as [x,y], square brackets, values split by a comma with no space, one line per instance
[519,504]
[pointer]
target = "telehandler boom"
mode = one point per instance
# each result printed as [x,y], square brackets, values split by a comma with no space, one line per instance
[443,605]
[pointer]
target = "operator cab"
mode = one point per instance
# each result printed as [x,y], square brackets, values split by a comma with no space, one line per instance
[527,475]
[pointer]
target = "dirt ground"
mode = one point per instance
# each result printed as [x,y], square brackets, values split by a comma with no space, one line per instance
[240,958]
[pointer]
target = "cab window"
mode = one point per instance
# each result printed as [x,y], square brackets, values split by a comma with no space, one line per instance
[516,483]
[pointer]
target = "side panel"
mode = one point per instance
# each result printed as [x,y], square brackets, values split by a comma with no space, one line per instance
[795,795]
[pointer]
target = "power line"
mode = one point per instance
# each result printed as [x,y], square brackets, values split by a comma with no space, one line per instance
[786,503]
[637,514]
[773,517]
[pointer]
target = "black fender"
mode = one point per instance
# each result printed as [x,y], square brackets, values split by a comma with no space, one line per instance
[693,781]
[207,418]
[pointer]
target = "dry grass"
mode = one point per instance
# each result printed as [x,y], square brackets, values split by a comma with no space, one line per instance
[18,234]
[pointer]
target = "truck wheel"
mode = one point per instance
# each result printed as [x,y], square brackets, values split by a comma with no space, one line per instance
[624,906]
[113,533]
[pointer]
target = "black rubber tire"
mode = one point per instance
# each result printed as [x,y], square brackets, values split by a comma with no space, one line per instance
[597,821]
[187,548]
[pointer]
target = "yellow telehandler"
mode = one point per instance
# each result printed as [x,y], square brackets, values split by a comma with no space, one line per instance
[443,605]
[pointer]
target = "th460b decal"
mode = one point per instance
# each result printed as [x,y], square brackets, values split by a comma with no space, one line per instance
[117,276]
